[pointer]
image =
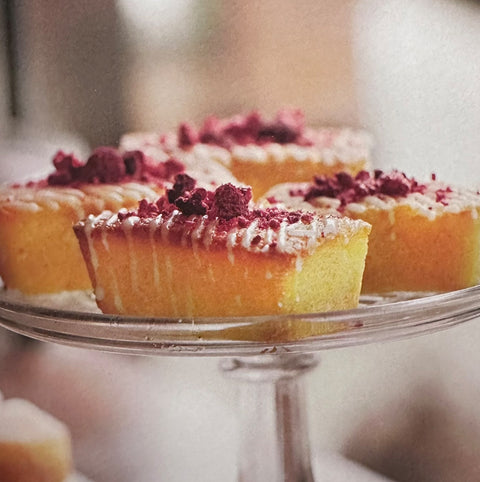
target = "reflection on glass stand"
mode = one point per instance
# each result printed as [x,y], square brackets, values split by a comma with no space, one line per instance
[274,436]
[274,440]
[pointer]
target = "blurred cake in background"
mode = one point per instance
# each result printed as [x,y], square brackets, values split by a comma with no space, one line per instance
[261,152]
[38,249]
[34,446]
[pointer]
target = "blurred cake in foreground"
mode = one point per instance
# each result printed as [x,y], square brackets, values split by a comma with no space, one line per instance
[38,249]
[259,152]
[425,236]
[34,446]
[202,253]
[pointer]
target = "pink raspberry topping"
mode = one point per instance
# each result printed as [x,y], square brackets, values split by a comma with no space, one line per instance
[109,165]
[287,127]
[228,204]
[230,201]
[348,188]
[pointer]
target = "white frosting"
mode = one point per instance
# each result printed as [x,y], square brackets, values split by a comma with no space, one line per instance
[424,204]
[36,199]
[290,238]
[331,145]
[127,225]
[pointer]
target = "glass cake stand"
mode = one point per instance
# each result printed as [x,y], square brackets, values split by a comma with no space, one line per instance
[274,444]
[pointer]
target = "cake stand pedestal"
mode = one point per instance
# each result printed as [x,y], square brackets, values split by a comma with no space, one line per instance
[274,444]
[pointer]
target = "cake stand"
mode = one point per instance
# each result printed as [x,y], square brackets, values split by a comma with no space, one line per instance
[274,443]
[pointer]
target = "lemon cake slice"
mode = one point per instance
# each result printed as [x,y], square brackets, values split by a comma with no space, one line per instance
[34,446]
[38,249]
[425,236]
[260,152]
[202,253]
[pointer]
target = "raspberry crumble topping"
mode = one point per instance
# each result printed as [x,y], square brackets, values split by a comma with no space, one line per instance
[108,165]
[228,204]
[287,127]
[350,189]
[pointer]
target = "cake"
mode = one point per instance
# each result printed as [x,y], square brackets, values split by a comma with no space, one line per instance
[199,253]
[425,236]
[34,446]
[259,152]
[38,249]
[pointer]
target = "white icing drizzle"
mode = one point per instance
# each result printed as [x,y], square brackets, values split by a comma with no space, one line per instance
[290,238]
[89,225]
[32,198]
[249,234]
[171,291]
[330,146]
[424,204]
[231,242]
[196,235]
[127,226]
[117,300]
[167,224]
[282,236]
[299,263]
[209,234]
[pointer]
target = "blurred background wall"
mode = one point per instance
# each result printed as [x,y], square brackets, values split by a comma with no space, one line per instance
[85,72]
[407,71]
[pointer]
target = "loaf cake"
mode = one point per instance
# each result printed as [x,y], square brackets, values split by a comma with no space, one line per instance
[425,236]
[196,253]
[262,153]
[34,446]
[38,249]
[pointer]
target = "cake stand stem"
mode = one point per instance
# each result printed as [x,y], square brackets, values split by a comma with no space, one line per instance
[274,442]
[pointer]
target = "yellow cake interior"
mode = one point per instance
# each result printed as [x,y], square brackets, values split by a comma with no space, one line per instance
[415,253]
[163,279]
[38,249]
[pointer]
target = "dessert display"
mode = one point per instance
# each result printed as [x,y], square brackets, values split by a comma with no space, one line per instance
[425,236]
[199,253]
[152,239]
[38,249]
[34,446]
[259,152]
